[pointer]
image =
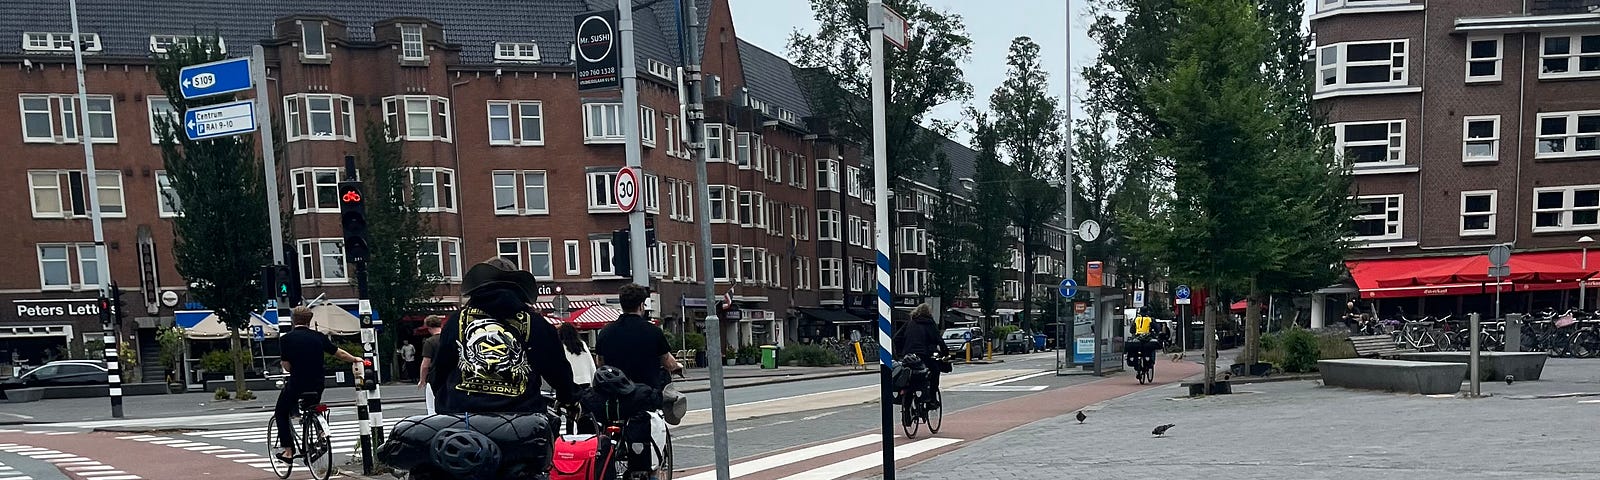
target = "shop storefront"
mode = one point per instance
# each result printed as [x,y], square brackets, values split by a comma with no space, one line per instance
[34,331]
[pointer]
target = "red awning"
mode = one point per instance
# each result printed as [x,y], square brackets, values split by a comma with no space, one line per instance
[1468,275]
[1239,306]
[1475,269]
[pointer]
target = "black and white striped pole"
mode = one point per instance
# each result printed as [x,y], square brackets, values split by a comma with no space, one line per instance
[110,319]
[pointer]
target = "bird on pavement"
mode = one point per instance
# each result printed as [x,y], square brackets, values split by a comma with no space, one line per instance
[1510,379]
[1081,416]
[1161,430]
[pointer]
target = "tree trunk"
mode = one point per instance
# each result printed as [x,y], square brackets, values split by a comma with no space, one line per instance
[1211,340]
[1251,351]
[238,361]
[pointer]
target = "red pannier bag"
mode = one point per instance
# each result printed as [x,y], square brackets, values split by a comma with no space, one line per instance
[575,457]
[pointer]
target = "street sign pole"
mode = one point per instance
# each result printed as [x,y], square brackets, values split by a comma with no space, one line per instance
[880,190]
[269,159]
[102,265]
[1499,258]
[1473,344]
[639,251]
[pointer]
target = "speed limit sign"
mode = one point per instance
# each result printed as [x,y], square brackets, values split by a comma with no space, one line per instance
[626,190]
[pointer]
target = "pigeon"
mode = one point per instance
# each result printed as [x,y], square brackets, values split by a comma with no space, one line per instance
[1081,416]
[1510,379]
[1161,430]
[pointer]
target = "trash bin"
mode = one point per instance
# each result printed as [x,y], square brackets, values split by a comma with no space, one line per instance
[769,356]
[1039,341]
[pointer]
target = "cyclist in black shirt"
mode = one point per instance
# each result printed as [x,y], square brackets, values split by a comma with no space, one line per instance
[635,346]
[302,357]
[492,355]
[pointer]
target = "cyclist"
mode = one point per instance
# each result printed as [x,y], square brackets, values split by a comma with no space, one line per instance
[302,350]
[633,345]
[492,355]
[920,336]
[1143,344]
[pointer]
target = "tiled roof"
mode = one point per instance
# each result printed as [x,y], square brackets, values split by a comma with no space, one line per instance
[125,26]
[771,79]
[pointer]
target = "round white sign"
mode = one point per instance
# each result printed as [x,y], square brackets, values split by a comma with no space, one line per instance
[626,189]
[169,298]
[1089,230]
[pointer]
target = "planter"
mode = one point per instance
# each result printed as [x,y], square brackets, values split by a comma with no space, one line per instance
[1253,370]
[730,362]
[177,388]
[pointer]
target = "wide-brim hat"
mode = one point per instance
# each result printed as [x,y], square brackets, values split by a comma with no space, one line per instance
[487,274]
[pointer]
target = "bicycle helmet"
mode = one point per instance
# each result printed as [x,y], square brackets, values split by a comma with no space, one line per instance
[466,453]
[611,381]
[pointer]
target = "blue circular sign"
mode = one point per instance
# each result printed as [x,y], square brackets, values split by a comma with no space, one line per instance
[1068,288]
[1182,291]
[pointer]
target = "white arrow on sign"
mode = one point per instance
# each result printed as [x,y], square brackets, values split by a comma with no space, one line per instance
[626,189]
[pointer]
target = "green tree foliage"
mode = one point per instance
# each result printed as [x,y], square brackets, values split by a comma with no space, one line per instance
[396,231]
[950,230]
[222,237]
[991,200]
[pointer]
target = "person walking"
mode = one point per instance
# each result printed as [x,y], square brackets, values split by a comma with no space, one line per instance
[430,346]
[582,362]
[408,361]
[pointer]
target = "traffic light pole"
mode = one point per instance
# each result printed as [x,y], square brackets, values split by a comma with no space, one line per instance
[638,249]
[369,398]
[102,265]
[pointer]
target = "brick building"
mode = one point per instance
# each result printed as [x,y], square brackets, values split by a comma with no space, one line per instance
[510,160]
[1468,123]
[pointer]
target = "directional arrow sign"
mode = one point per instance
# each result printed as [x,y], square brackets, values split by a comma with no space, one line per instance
[1068,288]
[220,120]
[215,78]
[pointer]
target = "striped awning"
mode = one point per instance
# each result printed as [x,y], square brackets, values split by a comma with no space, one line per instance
[593,317]
[573,305]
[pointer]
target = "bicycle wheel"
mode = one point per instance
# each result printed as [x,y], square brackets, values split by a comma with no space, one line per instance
[317,451]
[908,415]
[1586,344]
[279,467]
[935,415]
[664,468]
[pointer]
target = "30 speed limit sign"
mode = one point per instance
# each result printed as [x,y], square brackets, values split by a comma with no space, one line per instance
[626,189]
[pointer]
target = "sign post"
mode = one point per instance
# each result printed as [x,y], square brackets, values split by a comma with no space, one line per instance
[1499,257]
[215,78]
[1182,295]
[876,13]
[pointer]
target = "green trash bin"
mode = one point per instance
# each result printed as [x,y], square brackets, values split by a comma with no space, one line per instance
[769,356]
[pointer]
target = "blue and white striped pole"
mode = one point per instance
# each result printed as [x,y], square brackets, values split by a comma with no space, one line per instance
[880,191]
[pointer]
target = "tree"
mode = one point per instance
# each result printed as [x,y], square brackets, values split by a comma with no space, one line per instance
[397,282]
[1027,124]
[990,200]
[926,75]
[222,237]
[950,261]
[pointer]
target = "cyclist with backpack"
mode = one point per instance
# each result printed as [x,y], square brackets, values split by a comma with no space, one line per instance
[492,355]
[920,336]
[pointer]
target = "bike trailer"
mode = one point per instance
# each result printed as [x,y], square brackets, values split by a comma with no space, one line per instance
[575,457]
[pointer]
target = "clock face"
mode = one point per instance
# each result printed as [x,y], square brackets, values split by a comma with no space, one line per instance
[1089,230]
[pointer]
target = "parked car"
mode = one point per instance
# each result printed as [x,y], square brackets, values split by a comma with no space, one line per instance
[956,338]
[59,374]
[1018,342]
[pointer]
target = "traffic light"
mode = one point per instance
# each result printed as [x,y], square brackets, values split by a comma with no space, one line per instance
[621,261]
[353,217]
[269,282]
[104,305]
[119,307]
[289,276]
[650,232]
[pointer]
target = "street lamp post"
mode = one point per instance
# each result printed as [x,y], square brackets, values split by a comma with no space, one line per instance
[1583,284]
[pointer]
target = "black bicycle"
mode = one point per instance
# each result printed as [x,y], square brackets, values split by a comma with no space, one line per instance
[312,446]
[920,402]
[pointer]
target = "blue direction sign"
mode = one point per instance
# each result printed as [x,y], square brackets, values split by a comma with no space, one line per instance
[215,78]
[220,120]
[1182,294]
[1068,288]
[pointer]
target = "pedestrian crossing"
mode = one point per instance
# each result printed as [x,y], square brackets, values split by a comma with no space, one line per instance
[8,472]
[34,432]
[70,462]
[836,454]
[345,435]
[250,459]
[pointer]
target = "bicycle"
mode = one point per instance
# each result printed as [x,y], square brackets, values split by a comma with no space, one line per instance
[921,404]
[312,446]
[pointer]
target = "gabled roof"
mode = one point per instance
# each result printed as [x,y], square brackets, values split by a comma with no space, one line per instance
[772,79]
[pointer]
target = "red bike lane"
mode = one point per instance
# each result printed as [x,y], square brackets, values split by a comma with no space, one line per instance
[116,456]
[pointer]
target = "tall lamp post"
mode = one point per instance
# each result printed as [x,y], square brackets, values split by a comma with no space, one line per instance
[1583,284]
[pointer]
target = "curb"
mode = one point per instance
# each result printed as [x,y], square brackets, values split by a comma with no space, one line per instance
[778,380]
[1274,379]
[1553,396]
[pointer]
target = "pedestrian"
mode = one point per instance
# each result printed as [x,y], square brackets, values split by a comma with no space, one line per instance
[430,346]
[408,361]
[582,362]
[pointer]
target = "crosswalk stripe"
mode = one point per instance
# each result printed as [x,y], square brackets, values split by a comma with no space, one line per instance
[775,461]
[847,467]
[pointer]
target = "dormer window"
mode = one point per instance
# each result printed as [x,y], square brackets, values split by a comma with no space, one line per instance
[411,42]
[164,43]
[516,52]
[58,42]
[660,69]
[312,42]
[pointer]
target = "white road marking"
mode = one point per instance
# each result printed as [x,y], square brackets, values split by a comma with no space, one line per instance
[775,461]
[847,467]
[1018,379]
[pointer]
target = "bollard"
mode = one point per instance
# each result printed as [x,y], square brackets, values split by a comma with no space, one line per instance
[1472,330]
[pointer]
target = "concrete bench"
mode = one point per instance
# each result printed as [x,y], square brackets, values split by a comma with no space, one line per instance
[1426,378]
[1492,366]
[1376,346]
[24,395]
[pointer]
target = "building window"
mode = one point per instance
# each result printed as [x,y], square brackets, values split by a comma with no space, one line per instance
[1569,134]
[647,126]
[1378,218]
[601,197]
[1483,59]
[913,240]
[1362,65]
[661,69]
[316,190]
[322,259]
[672,137]
[574,262]
[600,258]
[1480,138]
[798,175]
[516,123]
[56,271]
[58,42]
[312,43]
[441,257]
[166,196]
[539,258]
[37,118]
[717,195]
[854,227]
[164,43]
[434,189]
[1566,208]
[652,194]
[746,216]
[911,281]
[516,52]
[1566,56]
[160,108]
[741,149]
[713,142]
[719,263]
[747,264]
[827,175]
[852,182]
[1372,144]
[40,112]
[602,123]
[411,42]
[1478,212]
[322,120]
[418,118]
[831,273]
[532,198]
[65,193]
[828,225]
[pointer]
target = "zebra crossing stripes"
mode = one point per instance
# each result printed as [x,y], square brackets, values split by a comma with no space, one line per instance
[838,468]
[253,460]
[35,432]
[345,435]
[70,462]
[8,472]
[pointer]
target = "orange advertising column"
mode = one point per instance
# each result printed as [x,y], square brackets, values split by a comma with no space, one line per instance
[1096,275]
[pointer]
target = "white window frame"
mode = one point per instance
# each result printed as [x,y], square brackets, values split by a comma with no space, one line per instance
[797,177]
[749,270]
[1397,224]
[151,105]
[548,260]
[304,183]
[825,218]
[64,114]
[444,192]
[647,126]
[1492,213]
[1566,210]
[852,178]
[520,52]
[322,258]
[670,136]
[340,117]
[827,175]
[412,46]
[1496,60]
[59,42]
[163,190]
[1573,57]
[48,113]
[110,196]
[1569,138]
[516,119]
[601,201]
[65,262]
[447,251]
[1492,141]
[714,147]
[572,257]
[1394,155]
[308,48]
[1341,66]
[164,43]
[609,129]
[830,273]
[397,108]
